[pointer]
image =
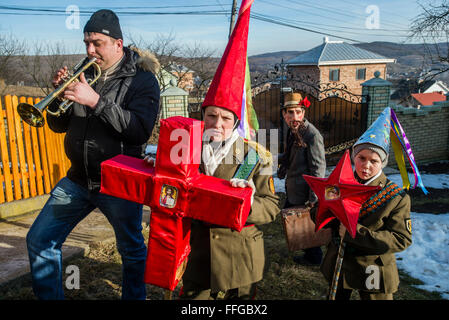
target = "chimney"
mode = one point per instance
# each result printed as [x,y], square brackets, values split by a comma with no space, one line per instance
[326,39]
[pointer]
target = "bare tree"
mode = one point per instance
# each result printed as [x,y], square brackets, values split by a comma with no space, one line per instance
[41,66]
[182,62]
[166,50]
[10,48]
[431,27]
[201,60]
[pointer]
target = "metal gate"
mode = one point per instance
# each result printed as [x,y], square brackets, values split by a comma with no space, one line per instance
[338,114]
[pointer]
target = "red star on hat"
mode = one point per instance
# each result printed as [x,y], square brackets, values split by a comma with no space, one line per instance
[340,196]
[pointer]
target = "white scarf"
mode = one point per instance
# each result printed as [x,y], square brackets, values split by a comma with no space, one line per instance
[373,178]
[212,157]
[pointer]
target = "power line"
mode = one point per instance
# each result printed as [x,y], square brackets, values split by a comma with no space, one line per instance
[332,11]
[43,8]
[118,11]
[285,22]
[58,12]
[318,24]
[270,20]
[395,14]
[261,17]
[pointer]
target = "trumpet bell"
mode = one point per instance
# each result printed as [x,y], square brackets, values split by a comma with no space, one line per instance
[31,115]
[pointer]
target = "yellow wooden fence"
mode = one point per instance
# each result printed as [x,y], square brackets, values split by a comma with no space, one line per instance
[32,160]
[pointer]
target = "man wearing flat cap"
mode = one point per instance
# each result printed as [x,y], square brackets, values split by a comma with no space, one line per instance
[304,154]
[116,115]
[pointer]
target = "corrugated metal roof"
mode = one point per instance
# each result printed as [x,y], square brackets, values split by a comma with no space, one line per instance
[337,52]
[174,91]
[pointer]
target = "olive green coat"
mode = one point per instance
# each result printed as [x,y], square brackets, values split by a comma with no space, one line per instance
[379,236]
[221,258]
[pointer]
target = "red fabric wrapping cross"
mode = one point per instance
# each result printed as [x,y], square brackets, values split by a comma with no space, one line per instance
[176,192]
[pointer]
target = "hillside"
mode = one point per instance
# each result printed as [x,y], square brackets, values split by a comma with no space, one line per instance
[409,57]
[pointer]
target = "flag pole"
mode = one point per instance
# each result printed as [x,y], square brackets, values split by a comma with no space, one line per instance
[337,270]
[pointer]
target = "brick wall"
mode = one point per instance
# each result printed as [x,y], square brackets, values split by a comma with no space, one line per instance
[174,106]
[302,71]
[427,130]
[379,99]
[348,75]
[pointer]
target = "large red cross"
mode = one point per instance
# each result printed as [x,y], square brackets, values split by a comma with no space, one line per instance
[176,192]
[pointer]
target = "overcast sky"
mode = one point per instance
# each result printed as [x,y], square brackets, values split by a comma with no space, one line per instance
[360,20]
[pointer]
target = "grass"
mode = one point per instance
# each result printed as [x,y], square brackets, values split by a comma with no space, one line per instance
[286,280]
[100,275]
[437,201]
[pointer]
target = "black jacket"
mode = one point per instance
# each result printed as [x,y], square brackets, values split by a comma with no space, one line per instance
[121,123]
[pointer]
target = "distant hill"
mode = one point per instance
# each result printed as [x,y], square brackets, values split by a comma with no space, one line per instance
[409,57]
[265,61]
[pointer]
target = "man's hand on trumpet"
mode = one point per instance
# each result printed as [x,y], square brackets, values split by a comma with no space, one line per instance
[60,76]
[82,93]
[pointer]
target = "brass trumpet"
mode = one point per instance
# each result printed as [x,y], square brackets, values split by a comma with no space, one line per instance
[33,115]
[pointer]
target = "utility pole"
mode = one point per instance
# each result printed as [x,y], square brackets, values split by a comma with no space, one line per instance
[233,13]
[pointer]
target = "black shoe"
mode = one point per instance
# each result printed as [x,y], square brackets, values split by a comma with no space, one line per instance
[305,262]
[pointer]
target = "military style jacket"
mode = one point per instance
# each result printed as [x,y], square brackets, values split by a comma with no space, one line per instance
[221,258]
[380,234]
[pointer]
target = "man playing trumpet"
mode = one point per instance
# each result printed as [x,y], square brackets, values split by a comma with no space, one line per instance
[114,116]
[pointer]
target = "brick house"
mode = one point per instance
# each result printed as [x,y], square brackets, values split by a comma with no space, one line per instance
[339,62]
[403,89]
[426,99]
[184,75]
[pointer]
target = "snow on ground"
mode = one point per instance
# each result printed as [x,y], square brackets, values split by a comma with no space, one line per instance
[436,181]
[279,184]
[151,149]
[427,259]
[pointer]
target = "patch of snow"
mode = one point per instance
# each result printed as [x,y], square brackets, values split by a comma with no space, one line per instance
[436,181]
[151,149]
[427,259]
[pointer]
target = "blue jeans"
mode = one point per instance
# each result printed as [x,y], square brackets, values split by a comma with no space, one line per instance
[69,203]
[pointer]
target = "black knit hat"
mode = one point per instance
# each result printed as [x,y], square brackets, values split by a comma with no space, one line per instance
[105,22]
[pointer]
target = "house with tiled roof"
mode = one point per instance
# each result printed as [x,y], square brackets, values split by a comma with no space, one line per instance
[402,90]
[339,62]
[426,99]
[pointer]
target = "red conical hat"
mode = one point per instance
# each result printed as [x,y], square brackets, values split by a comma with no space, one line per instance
[226,89]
